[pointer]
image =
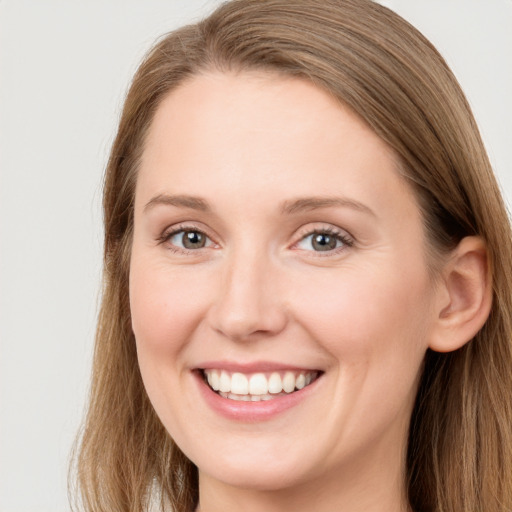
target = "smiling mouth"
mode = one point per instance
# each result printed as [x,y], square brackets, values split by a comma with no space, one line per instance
[256,387]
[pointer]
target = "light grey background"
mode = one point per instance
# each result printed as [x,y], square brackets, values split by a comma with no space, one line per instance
[64,68]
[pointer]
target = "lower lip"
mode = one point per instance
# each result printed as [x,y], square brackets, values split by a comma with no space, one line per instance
[251,412]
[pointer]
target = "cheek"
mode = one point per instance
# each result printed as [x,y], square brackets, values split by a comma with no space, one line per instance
[374,327]
[365,316]
[165,305]
[165,311]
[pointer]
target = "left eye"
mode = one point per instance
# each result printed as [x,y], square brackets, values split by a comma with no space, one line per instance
[189,239]
[322,242]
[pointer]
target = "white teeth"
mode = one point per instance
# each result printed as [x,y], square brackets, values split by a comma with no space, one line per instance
[289,382]
[257,386]
[240,398]
[249,398]
[214,380]
[224,382]
[275,384]
[239,384]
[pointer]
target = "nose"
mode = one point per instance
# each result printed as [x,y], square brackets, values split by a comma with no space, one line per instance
[248,304]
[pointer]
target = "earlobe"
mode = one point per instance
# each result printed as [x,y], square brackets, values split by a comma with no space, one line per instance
[464,296]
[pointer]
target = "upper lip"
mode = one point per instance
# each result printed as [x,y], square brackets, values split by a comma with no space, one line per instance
[252,367]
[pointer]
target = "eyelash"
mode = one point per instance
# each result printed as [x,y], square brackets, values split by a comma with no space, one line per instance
[167,235]
[340,236]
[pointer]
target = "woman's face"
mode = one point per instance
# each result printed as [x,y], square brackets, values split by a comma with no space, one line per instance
[276,245]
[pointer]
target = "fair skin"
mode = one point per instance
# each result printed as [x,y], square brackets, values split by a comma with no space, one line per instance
[273,234]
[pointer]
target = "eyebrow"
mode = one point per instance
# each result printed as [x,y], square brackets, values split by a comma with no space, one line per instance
[181,201]
[305,204]
[290,207]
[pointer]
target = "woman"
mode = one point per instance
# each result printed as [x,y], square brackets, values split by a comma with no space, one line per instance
[307,288]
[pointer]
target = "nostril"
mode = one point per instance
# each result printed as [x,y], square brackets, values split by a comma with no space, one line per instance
[242,326]
[248,306]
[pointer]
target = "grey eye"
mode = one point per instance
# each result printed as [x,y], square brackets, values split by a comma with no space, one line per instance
[323,242]
[189,239]
[320,241]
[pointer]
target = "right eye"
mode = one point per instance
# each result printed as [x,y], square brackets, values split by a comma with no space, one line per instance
[186,239]
[189,239]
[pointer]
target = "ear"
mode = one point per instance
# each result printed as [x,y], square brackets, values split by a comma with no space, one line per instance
[464,296]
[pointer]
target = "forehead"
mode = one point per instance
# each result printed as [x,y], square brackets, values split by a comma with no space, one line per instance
[251,108]
[262,135]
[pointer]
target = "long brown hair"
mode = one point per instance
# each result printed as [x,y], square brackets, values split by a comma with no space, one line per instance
[460,442]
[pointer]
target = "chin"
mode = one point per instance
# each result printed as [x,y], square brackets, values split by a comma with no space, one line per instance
[257,475]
